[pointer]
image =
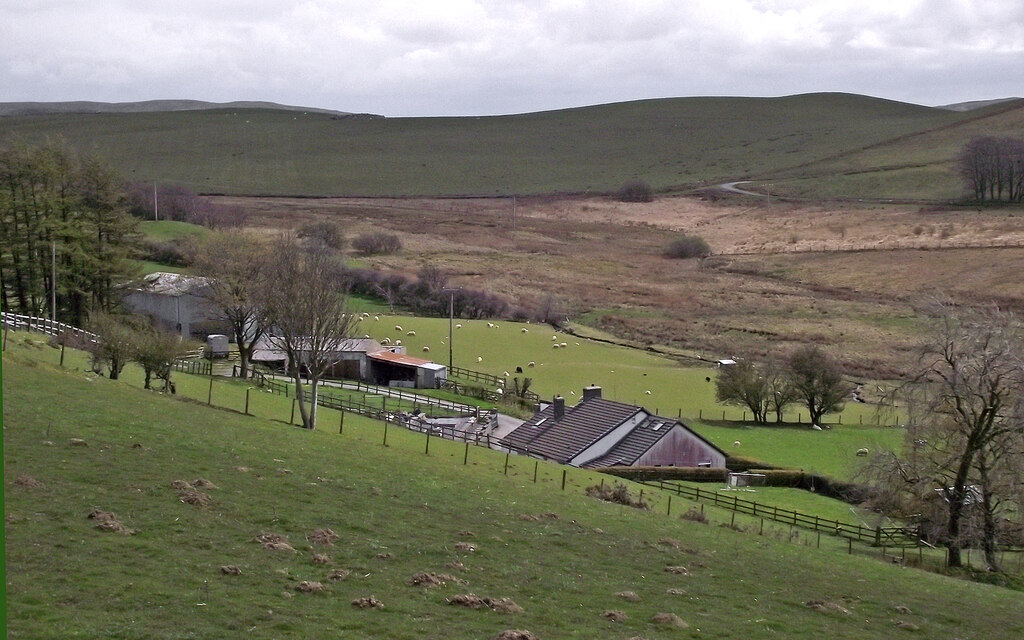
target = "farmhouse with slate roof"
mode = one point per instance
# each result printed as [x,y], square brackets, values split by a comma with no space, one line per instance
[604,433]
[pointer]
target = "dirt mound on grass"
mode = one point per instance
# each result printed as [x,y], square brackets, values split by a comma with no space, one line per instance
[77,442]
[629,596]
[827,606]
[682,571]
[431,579]
[367,602]
[320,558]
[465,547]
[338,575]
[182,485]
[669,620]
[538,517]
[515,634]
[27,481]
[107,521]
[614,615]
[195,497]
[323,536]
[456,565]
[203,483]
[231,570]
[274,542]
[675,591]
[502,605]
[308,586]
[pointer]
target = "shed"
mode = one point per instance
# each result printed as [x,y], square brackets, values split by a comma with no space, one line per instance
[400,370]
[176,302]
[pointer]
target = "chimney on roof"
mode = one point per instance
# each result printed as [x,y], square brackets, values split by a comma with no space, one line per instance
[558,407]
[593,391]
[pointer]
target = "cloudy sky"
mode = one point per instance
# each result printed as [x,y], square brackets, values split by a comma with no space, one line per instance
[472,57]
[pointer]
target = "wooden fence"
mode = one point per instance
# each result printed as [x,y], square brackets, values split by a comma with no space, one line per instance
[45,325]
[878,536]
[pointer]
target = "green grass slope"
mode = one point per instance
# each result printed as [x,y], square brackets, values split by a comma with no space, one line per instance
[396,512]
[669,142]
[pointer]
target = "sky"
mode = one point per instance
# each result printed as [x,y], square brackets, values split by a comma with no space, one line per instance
[484,57]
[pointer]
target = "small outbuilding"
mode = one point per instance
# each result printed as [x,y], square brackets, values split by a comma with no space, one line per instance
[176,302]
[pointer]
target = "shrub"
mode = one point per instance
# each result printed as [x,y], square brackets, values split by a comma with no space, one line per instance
[619,494]
[687,246]
[694,515]
[325,232]
[636,191]
[163,252]
[377,243]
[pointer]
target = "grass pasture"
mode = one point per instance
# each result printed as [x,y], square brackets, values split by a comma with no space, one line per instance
[677,142]
[396,512]
[171,230]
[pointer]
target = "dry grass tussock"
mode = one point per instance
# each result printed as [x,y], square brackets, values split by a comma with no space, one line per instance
[367,602]
[669,620]
[614,615]
[27,481]
[619,494]
[322,536]
[431,579]
[515,634]
[308,586]
[274,542]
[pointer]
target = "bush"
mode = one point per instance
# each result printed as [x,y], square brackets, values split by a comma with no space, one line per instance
[325,232]
[377,243]
[636,191]
[619,494]
[692,474]
[163,252]
[687,247]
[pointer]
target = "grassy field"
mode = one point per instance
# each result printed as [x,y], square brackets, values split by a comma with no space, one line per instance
[65,577]
[168,230]
[671,143]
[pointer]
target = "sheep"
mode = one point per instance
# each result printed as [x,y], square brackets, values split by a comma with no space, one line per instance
[490,325]
[531,363]
[458,325]
[736,443]
[647,393]
[506,374]
[479,359]
[862,452]
[377,318]
[386,341]
[564,345]
[524,330]
[556,346]
[398,342]
[410,333]
[554,337]
[499,391]
[815,427]
[426,349]
[398,327]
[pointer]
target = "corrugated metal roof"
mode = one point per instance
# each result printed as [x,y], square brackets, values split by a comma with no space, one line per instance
[581,426]
[398,358]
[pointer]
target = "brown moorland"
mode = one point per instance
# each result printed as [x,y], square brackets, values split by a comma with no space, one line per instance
[850,277]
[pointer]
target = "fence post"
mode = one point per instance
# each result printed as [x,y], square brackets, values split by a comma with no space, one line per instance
[878,536]
[507,454]
[247,390]
[849,546]
[668,510]
[465,456]
[341,421]
[426,449]
[563,479]
[62,355]
[209,394]
[536,463]
[723,415]
[291,419]
[385,433]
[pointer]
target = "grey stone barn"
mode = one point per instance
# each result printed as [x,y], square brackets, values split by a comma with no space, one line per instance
[604,433]
[175,301]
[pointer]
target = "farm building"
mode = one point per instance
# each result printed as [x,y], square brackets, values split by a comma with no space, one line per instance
[175,302]
[365,359]
[604,433]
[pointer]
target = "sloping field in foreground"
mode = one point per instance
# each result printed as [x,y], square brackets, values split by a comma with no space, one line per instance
[561,557]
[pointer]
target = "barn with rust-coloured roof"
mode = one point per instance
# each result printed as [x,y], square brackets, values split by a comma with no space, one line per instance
[605,433]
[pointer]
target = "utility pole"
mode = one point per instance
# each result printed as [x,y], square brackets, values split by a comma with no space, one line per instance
[513,212]
[156,205]
[53,281]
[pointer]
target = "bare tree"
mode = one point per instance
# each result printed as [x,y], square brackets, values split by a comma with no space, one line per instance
[964,433]
[233,265]
[993,168]
[115,346]
[742,384]
[817,381]
[304,304]
[781,393]
[156,350]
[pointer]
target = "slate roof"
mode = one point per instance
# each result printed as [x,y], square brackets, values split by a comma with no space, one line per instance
[399,358]
[580,426]
[170,284]
[636,443]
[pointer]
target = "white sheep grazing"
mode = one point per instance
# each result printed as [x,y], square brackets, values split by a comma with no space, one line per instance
[366,336]
[524,330]
[479,359]
[386,341]
[499,391]
[736,443]
[564,345]
[398,342]
[506,374]
[555,346]
[398,327]
[862,452]
[426,349]
[647,393]
[490,325]
[458,325]
[815,427]
[376,318]
[410,333]
[531,363]
[554,337]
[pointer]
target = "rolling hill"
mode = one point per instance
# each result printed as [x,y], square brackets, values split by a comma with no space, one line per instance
[675,144]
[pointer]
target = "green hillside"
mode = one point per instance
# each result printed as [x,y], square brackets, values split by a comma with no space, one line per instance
[560,556]
[672,143]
